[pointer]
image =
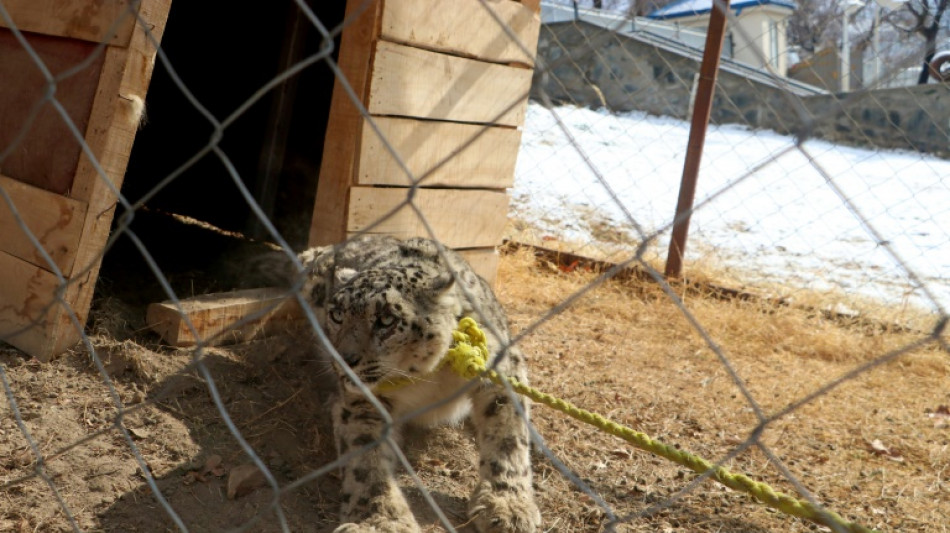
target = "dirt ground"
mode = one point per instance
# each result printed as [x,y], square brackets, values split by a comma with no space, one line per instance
[875,449]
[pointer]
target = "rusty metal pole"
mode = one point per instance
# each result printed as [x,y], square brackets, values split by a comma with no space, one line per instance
[697,136]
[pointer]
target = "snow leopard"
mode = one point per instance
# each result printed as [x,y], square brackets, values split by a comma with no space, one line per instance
[388,307]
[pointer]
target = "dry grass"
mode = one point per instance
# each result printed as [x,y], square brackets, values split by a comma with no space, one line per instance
[624,349]
[704,266]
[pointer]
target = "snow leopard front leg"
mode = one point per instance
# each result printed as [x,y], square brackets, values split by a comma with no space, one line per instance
[371,498]
[504,497]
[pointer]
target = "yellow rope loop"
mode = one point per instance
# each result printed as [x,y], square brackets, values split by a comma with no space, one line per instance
[468,356]
[466,360]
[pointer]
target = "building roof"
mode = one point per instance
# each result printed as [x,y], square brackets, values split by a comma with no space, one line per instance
[689,8]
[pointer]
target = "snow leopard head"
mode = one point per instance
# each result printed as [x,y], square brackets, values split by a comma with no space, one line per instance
[392,322]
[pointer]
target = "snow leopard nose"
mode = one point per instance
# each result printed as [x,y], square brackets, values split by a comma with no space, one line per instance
[351,358]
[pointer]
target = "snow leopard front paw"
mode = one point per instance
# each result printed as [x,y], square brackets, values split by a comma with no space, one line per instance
[379,524]
[508,512]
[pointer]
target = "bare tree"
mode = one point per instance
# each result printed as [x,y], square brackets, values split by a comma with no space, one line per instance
[926,16]
[637,8]
[814,25]
[641,8]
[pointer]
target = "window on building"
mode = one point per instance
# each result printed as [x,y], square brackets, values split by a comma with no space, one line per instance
[773,44]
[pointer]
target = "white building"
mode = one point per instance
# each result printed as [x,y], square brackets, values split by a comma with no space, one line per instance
[757,33]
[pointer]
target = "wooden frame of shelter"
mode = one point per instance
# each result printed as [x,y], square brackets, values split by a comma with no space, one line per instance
[445,83]
[55,188]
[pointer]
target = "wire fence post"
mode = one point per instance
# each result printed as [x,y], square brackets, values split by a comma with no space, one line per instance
[697,136]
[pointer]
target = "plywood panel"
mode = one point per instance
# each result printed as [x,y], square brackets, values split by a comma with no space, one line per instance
[484,262]
[446,153]
[114,121]
[464,27]
[460,218]
[534,5]
[87,20]
[47,154]
[411,82]
[341,146]
[28,310]
[56,221]
[216,317]
[119,83]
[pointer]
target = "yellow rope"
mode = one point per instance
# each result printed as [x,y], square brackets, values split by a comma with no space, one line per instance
[469,357]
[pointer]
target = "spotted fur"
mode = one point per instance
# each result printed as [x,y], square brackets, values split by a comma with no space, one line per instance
[389,308]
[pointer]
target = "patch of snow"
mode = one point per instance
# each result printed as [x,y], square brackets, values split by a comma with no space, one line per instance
[764,206]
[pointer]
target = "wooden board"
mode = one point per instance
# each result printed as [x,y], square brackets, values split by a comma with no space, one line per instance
[31,160]
[534,5]
[341,146]
[28,307]
[113,120]
[87,20]
[215,316]
[125,77]
[56,221]
[459,218]
[411,82]
[484,262]
[485,156]
[464,27]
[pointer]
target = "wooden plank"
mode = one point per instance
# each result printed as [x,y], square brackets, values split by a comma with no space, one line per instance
[27,310]
[215,316]
[87,20]
[484,262]
[263,311]
[460,218]
[112,125]
[488,162]
[32,160]
[464,27]
[56,221]
[341,146]
[411,82]
[534,5]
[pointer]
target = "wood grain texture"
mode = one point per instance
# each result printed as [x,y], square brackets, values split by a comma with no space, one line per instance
[32,160]
[113,122]
[464,27]
[411,82]
[56,221]
[484,262]
[216,317]
[28,311]
[534,5]
[460,218]
[440,152]
[341,146]
[87,20]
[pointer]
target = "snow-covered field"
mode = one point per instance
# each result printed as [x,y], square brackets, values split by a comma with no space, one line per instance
[781,223]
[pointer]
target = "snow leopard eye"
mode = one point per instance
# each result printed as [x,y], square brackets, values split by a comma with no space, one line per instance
[386,319]
[336,315]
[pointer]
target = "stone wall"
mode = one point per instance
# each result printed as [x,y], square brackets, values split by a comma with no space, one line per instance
[593,67]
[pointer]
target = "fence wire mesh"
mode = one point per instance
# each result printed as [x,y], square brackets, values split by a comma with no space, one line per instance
[805,346]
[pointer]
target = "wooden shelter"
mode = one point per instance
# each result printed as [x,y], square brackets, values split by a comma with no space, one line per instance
[445,84]
[63,198]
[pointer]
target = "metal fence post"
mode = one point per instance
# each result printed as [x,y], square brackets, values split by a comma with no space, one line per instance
[697,136]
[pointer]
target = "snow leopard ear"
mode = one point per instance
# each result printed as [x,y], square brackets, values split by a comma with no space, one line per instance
[342,275]
[441,283]
[419,247]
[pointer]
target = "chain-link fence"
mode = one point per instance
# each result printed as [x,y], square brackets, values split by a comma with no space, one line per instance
[802,346]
